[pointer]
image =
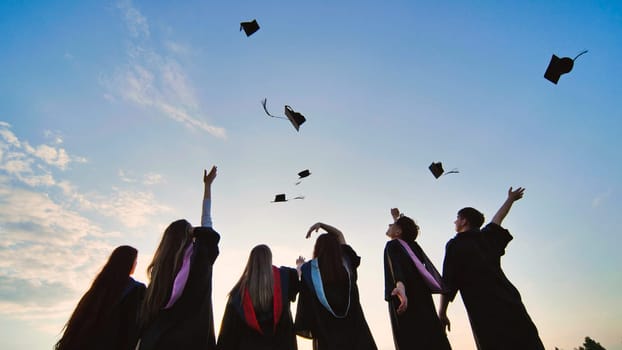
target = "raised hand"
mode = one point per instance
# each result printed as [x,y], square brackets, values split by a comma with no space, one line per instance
[315,227]
[208,178]
[395,213]
[515,194]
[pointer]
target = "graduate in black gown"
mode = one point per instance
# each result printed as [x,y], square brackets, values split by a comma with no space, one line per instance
[177,312]
[409,285]
[107,315]
[329,310]
[472,266]
[258,314]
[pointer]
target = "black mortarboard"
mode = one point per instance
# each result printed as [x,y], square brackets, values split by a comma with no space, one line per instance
[294,117]
[249,27]
[558,66]
[304,173]
[281,198]
[437,170]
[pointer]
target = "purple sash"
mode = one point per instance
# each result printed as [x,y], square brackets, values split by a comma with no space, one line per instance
[182,277]
[430,275]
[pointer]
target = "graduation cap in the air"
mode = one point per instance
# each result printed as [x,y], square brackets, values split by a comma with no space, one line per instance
[282,198]
[558,66]
[249,27]
[302,175]
[294,117]
[437,170]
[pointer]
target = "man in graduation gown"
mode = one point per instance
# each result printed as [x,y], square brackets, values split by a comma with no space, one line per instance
[472,266]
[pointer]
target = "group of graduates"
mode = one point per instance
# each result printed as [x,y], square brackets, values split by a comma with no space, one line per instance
[175,310]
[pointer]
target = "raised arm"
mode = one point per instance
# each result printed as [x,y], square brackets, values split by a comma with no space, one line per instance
[208,178]
[513,196]
[329,229]
[299,262]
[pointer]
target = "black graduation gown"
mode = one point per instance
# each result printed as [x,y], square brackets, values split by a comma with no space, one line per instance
[498,317]
[236,334]
[327,331]
[120,331]
[418,327]
[189,323]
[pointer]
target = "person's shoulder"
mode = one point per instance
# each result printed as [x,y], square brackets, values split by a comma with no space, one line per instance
[496,229]
[204,232]
[347,249]
[392,243]
[497,232]
[452,243]
[287,269]
[136,284]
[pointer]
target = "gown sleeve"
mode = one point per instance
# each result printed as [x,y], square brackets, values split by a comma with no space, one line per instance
[293,284]
[230,328]
[393,270]
[450,273]
[498,237]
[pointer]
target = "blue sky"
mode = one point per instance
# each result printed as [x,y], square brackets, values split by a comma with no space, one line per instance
[110,111]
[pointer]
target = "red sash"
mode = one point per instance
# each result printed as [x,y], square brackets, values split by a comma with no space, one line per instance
[249,310]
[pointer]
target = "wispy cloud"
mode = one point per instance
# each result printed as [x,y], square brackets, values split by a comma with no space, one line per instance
[153,179]
[55,136]
[136,23]
[19,157]
[153,80]
[132,208]
[601,197]
[148,179]
[51,246]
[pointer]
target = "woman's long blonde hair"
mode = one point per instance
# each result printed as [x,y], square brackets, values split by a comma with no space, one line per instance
[257,278]
[166,262]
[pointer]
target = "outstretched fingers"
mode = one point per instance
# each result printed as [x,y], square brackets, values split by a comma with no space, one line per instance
[208,178]
[516,194]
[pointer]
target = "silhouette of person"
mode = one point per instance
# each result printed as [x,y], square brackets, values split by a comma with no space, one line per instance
[107,315]
[414,321]
[177,311]
[258,314]
[329,310]
[472,266]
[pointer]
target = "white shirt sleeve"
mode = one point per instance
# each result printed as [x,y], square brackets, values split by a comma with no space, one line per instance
[206,216]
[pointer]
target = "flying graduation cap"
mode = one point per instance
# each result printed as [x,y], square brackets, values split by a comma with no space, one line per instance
[249,27]
[558,66]
[302,175]
[282,198]
[294,117]
[437,170]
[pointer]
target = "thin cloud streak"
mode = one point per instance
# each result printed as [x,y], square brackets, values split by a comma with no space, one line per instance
[152,80]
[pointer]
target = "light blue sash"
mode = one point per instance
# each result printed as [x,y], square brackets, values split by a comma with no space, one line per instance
[319,287]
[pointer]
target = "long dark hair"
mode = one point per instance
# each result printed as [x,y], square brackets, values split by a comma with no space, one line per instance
[95,306]
[165,265]
[327,251]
